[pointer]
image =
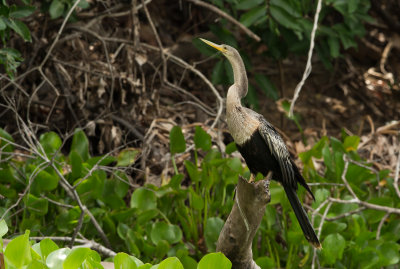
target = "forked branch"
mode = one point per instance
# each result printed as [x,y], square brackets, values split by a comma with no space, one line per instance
[236,237]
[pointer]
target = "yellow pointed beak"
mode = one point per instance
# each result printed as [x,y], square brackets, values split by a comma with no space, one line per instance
[215,46]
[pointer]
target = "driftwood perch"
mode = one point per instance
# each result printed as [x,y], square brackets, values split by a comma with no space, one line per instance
[235,239]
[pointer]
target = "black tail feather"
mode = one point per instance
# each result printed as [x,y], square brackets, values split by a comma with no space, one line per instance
[300,179]
[302,217]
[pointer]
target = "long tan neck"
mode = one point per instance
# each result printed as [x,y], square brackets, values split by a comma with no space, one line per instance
[239,89]
[239,74]
[232,99]
[240,123]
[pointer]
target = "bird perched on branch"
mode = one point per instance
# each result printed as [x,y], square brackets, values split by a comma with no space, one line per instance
[260,144]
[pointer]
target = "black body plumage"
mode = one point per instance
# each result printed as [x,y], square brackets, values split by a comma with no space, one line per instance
[265,151]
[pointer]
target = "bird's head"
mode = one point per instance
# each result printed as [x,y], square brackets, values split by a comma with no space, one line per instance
[228,51]
[239,70]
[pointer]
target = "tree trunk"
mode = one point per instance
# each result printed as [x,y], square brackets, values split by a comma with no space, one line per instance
[235,239]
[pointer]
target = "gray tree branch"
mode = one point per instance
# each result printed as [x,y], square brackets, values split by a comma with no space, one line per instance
[236,237]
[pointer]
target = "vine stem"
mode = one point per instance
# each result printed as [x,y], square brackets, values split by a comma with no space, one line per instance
[307,71]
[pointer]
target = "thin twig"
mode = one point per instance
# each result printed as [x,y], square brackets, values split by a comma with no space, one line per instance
[9,142]
[37,170]
[376,172]
[344,215]
[396,175]
[59,33]
[209,84]
[346,183]
[385,56]
[355,199]
[226,16]
[320,231]
[159,43]
[197,105]
[325,184]
[307,71]
[378,231]
[56,97]
[68,96]
[13,82]
[185,92]
[96,166]
[30,139]
[110,67]
[367,205]
[136,24]
[75,196]
[89,71]
[364,205]
[181,62]
[127,125]
[56,203]
[109,13]
[89,243]
[177,61]
[316,211]
[77,229]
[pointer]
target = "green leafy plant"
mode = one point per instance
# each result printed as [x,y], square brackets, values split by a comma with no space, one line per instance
[58,8]
[183,217]
[349,226]
[46,254]
[10,20]
[19,253]
[156,222]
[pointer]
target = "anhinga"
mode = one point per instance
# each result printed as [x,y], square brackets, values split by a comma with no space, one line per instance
[260,144]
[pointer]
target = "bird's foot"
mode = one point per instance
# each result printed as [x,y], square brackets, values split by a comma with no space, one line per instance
[269,176]
[252,178]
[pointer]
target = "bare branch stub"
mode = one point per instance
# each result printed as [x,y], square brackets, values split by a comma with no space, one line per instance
[236,237]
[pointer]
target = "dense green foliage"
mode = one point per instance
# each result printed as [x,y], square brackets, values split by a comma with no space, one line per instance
[11,20]
[146,225]
[183,217]
[284,27]
[46,254]
[347,239]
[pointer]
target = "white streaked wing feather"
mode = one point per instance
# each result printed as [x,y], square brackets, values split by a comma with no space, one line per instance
[279,150]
